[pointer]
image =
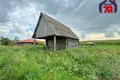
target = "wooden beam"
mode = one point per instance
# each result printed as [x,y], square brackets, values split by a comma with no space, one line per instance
[54,43]
[66,43]
[34,43]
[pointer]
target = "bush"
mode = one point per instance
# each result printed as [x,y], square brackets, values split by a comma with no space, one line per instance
[5,41]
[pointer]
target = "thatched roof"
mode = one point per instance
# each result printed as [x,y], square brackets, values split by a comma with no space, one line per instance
[48,26]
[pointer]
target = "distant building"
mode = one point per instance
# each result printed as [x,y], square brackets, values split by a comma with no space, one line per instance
[57,35]
[26,42]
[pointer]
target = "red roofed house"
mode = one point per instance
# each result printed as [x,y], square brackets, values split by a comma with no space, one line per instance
[26,42]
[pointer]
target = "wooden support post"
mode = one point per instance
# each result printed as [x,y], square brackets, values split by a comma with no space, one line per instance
[54,43]
[66,43]
[34,43]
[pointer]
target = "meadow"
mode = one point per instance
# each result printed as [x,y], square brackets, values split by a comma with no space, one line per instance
[101,62]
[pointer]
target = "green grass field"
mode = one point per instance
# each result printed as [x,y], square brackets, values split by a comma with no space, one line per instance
[84,63]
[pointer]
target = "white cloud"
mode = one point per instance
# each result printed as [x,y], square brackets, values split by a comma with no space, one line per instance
[5,28]
[17,12]
[95,36]
[113,31]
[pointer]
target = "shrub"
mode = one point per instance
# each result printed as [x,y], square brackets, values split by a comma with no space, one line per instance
[5,41]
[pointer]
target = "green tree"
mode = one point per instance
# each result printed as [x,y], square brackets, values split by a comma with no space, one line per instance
[5,41]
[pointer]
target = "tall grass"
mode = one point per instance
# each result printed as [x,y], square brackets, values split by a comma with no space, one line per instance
[89,63]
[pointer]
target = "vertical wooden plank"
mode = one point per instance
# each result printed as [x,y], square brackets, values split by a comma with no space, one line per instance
[54,43]
[66,43]
[78,43]
[34,43]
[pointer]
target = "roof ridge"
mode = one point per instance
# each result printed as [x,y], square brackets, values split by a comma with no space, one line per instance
[54,19]
[44,15]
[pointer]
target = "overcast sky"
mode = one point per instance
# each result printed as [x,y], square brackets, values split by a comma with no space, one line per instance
[19,18]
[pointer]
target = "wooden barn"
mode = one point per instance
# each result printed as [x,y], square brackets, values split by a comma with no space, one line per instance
[57,35]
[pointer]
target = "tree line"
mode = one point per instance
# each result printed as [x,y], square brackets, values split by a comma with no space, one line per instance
[6,41]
